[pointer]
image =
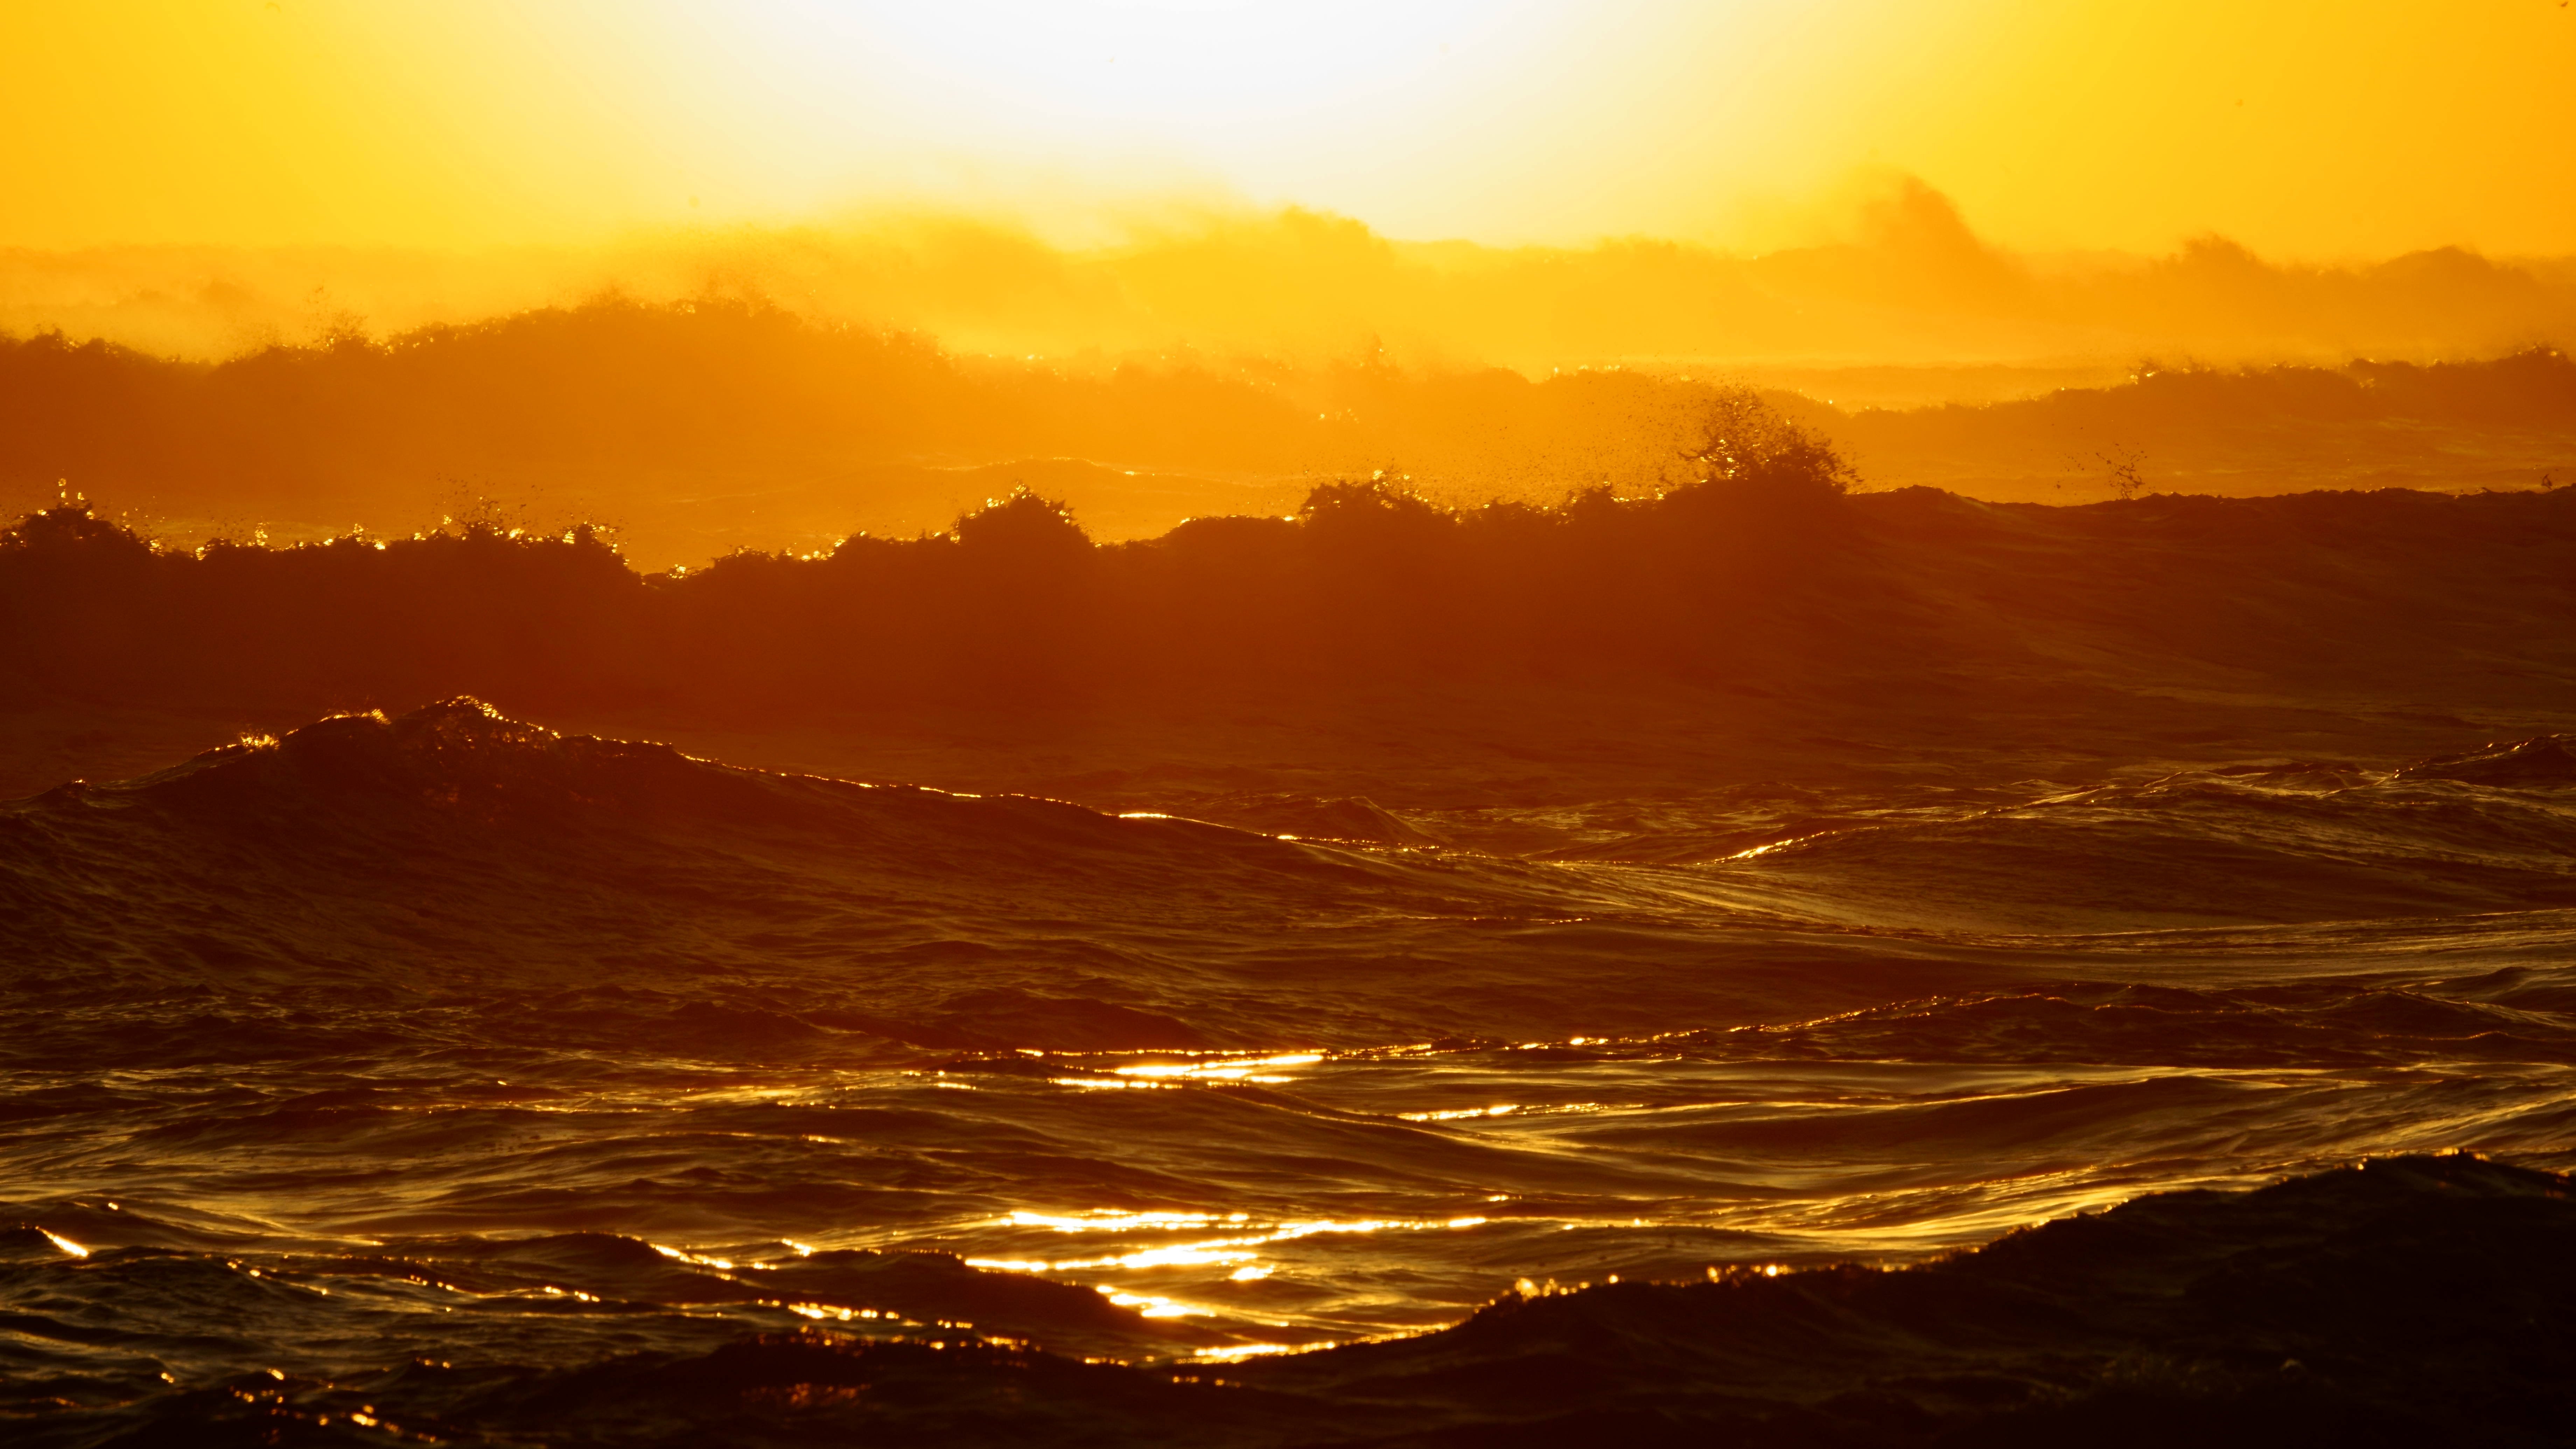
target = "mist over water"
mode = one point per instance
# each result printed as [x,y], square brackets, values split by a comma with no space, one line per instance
[779,389]
[699,429]
[1899,278]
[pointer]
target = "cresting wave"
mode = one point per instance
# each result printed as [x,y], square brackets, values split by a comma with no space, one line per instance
[444,1075]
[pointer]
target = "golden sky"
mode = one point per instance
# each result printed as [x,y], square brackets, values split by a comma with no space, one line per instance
[2311,130]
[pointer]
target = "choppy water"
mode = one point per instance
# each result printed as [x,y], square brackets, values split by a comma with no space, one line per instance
[449,1041]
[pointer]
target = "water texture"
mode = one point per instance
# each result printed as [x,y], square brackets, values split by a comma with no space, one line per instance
[445,1075]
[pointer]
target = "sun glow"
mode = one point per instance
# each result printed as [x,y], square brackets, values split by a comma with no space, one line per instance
[2300,126]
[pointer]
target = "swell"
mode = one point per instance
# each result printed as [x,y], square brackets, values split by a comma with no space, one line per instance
[2491,830]
[454,852]
[393,1054]
[1821,613]
[451,857]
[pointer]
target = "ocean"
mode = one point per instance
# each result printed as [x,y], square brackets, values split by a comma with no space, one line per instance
[442,1077]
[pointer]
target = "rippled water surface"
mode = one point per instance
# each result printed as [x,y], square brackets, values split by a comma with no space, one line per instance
[450,1040]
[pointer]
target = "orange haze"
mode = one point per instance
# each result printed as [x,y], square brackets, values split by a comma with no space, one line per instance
[2302,128]
[762,273]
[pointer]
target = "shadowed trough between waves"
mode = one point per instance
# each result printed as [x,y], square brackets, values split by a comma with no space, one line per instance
[450,1074]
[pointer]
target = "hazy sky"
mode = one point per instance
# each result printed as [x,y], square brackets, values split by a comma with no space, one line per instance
[2313,130]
